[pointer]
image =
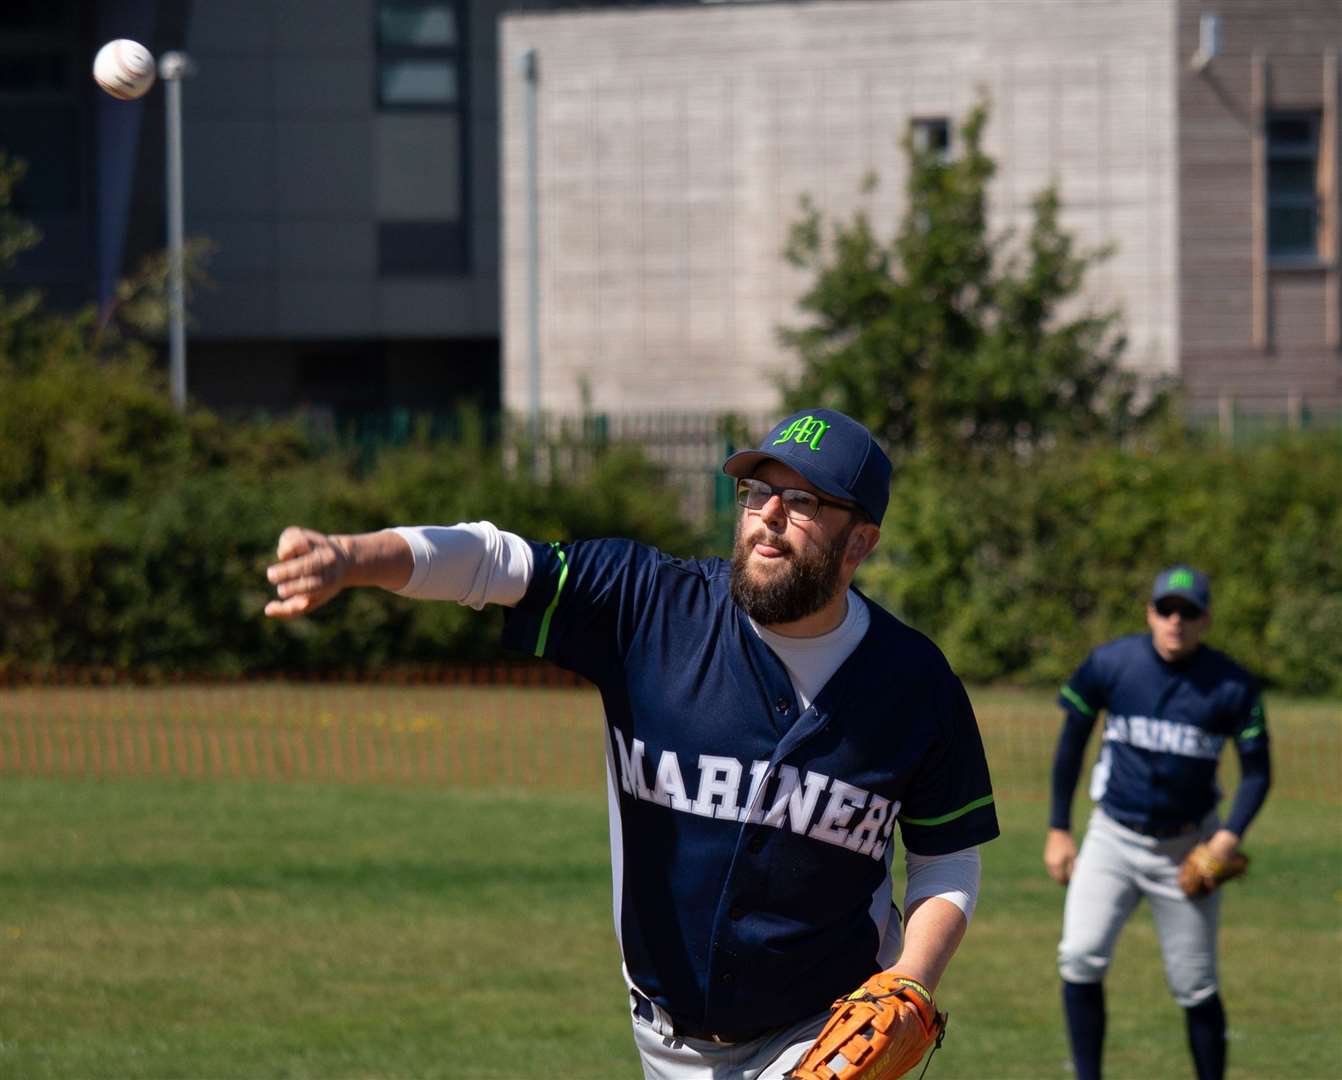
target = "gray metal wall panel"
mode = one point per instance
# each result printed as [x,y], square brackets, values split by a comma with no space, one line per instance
[246,305]
[324,27]
[243,250]
[228,169]
[322,169]
[330,306]
[325,247]
[282,138]
[324,87]
[221,27]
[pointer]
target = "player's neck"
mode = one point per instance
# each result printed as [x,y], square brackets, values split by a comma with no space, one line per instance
[1173,656]
[818,622]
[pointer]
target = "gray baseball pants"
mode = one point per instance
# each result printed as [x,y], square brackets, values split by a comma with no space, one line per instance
[1115,868]
[769,1057]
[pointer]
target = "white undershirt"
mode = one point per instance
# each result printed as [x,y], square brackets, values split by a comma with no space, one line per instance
[475,563]
[810,661]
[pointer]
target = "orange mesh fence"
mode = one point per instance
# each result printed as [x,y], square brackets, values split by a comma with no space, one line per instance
[463,729]
[533,727]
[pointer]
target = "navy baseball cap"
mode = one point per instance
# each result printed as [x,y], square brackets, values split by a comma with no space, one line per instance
[836,455]
[1185,583]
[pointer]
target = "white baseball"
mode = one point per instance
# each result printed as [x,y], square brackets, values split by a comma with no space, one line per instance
[124,68]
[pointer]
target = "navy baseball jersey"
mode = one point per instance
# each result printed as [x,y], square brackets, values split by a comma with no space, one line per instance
[752,841]
[1164,729]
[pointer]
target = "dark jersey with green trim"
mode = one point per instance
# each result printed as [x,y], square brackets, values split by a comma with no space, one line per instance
[1164,729]
[751,841]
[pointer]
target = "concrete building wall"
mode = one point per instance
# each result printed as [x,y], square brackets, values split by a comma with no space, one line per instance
[675,145]
[1259,334]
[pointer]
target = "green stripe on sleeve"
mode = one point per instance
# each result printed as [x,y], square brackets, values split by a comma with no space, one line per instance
[951,816]
[554,603]
[1077,700]
[1249,733]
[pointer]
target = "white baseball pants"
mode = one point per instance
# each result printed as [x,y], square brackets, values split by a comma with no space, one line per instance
[1115,868]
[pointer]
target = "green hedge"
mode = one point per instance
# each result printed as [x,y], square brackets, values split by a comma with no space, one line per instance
[1017,569]
[133,539]
[171,579]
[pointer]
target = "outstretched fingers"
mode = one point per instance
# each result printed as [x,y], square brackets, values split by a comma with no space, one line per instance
[302,583]
[307,574]
[295,541]
[288,609]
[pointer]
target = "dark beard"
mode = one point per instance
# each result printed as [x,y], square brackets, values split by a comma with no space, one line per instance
[807,584]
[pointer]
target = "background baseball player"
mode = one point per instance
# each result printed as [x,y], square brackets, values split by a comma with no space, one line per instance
[767,727]
[1170,704]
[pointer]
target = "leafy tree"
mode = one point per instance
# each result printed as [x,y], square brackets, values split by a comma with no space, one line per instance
[948,336]
[16,237]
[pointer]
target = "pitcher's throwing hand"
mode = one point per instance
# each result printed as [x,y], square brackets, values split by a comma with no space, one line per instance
[310,570]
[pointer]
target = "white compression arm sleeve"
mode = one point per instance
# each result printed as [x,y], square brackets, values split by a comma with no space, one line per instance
[472,564]
[953,877]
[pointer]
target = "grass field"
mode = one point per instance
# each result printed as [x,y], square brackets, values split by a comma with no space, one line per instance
[155,926]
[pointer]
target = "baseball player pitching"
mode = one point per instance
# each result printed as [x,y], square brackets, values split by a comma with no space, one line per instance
[768,726]
[1170,704]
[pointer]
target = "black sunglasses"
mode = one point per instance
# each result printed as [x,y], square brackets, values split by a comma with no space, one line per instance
[1189,612]
[799,505]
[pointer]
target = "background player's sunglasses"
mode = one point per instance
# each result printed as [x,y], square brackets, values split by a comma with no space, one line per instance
[799,505]
[1189,612]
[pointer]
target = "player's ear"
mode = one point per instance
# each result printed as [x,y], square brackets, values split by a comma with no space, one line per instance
[861,541]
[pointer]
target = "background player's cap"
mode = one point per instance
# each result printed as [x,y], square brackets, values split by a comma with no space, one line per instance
[836,455]
[1185,583]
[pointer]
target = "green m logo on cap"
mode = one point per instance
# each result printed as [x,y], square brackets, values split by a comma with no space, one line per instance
[1181,579]
[806,430]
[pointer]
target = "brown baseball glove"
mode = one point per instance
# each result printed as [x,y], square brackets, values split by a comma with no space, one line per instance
[1201,872]
[878,1032]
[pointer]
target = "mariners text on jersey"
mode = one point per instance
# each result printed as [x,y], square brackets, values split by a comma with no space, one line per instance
[1165,726]
[752,840]
[791,803]
[1164,736]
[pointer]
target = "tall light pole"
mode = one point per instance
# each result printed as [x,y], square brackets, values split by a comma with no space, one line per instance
[530,72]
[173,67]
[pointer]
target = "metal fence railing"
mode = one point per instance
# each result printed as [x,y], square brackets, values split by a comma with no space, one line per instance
[691,447]
[1244,419]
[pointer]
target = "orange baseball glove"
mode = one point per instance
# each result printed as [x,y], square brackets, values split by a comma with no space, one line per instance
[1201,872]
[878,1032]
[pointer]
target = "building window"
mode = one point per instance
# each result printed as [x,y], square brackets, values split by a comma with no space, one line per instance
[1293,218]
[422,140]
[420,248]
[419,54]
[931,135]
